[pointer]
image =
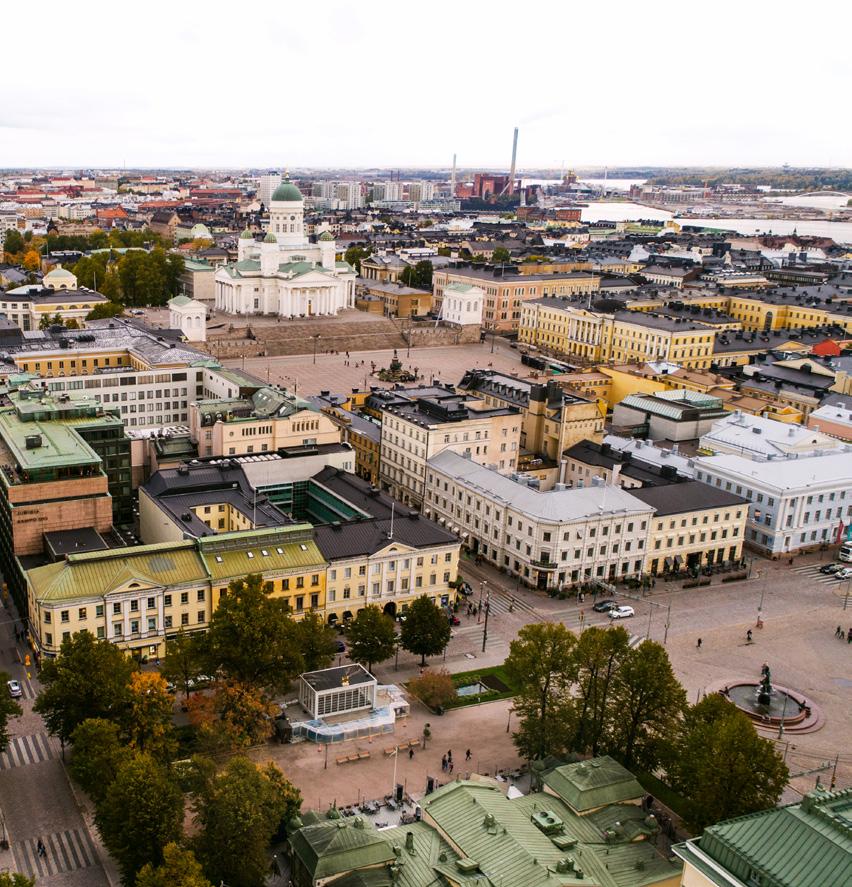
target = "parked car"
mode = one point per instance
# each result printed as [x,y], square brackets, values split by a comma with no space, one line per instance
[465,589]
[605,606]
[830,568]
[621,612]
[15,690]
[341,647]
[844,574]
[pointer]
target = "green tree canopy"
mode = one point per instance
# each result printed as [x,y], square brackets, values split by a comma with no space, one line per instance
[371,637]
[99,753]
[252,639]
[354,254]
[184,661]
[722,766]
[13,241]
[14,879]
[419,275]
[316,641]
[540,662]
[501,255]
[8,709]
[426,630]
[140,814]
[180,868]
[88,679]
[238,812]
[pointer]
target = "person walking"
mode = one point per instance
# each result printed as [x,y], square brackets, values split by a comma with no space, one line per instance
[410,753]
[450,752]
[698,645]
[468,755]
[450,766]
[40,848]
[748,636]
[444,763]
[838,632]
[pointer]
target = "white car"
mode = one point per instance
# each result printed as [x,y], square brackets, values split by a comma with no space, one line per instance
[621,612]
[15,690]
[844,574]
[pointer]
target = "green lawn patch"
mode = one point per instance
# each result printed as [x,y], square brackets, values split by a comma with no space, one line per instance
[662,792]
[496,685]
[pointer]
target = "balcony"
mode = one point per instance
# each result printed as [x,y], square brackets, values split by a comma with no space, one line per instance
[546,566]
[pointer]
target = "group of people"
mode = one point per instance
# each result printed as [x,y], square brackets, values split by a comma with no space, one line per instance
[839,633]
[447,760]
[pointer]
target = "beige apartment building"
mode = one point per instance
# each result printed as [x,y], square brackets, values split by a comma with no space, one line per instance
[418,424]
[505,294]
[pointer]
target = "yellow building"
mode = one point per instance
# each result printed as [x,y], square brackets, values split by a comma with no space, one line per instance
[694,525]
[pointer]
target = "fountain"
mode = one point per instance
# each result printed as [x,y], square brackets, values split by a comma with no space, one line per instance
[395,372]
[770,705]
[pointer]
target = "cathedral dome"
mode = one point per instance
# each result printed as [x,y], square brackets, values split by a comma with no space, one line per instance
[246,235]
[326,235]
[270,238]
[287,192]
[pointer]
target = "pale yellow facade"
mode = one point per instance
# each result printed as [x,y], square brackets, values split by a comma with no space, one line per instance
[699,538]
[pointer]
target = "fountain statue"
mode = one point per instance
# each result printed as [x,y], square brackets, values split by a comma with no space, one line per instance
[764,690]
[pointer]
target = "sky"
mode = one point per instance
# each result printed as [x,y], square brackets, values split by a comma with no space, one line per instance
[387,84]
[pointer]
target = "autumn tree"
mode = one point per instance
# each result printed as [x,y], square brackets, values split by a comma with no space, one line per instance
[32,260]
[140,814]
[234,716]
[371,637]
[15,879]
[426,630]
[722,767]
[98,754]
[238,812]
[433,688]
[252,639]
[88,679]
[149,715]
[179,868]
[540,664]
[316,640]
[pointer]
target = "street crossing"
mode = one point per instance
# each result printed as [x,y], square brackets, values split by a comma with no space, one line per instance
[65,851]
[812,573]
[24,750]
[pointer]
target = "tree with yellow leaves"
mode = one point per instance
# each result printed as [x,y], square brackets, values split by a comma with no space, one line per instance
[32,260]
[149,718]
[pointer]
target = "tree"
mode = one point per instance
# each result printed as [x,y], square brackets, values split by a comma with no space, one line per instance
[238,812]
[140,814]
[316,641]
[540,663]
[371,637]
[433,688]
[180,868]
[419,275]
[32,260]
[99,753]
[8,709]
[14,879]
[354,254]
[648,703]
[722,766]
[597,658]
[501,256]
[13,242]
[149,717]
[88,679]
[426,630]
[235,716]
[252,639]
[105,310]
[184,660]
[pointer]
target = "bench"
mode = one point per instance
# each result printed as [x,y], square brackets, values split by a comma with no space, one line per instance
[353,757]
[342,760]
[362,755]
[390,751]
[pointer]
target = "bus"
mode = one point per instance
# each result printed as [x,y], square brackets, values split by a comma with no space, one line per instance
[845,553]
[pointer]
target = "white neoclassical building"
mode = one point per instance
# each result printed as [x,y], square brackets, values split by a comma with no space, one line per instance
[285,275]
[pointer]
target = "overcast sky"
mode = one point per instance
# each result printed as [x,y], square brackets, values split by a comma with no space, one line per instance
[333,83]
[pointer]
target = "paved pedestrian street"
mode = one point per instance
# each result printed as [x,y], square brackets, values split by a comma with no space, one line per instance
[65,851]
[25,750]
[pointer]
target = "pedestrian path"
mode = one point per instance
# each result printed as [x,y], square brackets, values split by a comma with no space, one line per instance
[812,573]
[65,851]
[24,750]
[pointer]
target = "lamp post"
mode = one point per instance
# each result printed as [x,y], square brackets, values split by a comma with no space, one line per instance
[482,584]
[485,627]
[316,339]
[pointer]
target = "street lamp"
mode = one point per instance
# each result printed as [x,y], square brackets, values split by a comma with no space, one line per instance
[316,338]
[482,584]
[485,627]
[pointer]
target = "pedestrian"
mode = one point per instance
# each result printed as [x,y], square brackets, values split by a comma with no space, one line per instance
[467,755]
[450,766]
[838,632]
[444,763]
[698,645]
[410,753]
[748,636]
[849,636]
[40,848]
[450,753]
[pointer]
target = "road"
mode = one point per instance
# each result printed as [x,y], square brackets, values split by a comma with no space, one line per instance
[35,795]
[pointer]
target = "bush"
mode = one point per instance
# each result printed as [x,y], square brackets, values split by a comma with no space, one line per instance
[434,688]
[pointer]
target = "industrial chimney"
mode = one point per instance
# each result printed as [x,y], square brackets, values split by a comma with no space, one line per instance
[514,158]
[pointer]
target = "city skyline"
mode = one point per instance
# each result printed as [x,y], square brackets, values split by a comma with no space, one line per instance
[357,89]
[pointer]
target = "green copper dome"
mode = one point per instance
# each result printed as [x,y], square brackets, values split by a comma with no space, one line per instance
[246,235]
[270,238]
[287,191]
[326,235]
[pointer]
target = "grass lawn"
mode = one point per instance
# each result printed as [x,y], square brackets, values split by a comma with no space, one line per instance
[494,677]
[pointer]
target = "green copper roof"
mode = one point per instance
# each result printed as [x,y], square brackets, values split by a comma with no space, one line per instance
[270,238]
[287,192]
[326,236]
[590,784]
[246,235]
[335,846]
[59,446]
[808,844]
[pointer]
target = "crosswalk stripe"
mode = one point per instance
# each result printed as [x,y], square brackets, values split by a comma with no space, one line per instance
[65,851]
[24,750]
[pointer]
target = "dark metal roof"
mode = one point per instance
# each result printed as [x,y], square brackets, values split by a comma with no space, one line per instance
[688,496]
[366,537]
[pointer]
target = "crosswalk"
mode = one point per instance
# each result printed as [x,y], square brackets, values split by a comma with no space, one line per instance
[65,851]
[24,750]
[811,573]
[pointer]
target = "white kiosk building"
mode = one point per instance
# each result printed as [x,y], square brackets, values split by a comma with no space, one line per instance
[462,304]
[188,316]
[285,275]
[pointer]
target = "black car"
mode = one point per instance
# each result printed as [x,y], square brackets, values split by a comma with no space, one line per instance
[341,647]
[605,606]
[830,568]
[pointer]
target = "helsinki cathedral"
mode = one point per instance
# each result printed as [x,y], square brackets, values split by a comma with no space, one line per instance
[285,275]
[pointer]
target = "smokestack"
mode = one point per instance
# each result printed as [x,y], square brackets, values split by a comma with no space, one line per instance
[514,158]
[453,180]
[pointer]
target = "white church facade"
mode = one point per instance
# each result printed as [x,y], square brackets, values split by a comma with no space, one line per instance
[285,275]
